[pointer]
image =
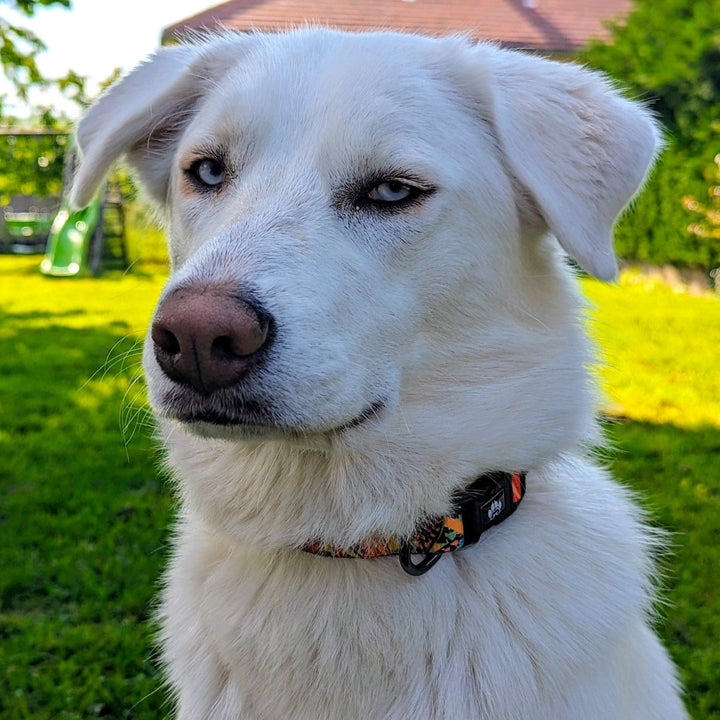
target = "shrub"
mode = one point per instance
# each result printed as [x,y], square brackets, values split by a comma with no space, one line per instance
[659,229]
[667,54]
[708,225]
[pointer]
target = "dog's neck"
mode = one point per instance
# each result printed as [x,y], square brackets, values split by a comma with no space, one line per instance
[273,496]
[487,501]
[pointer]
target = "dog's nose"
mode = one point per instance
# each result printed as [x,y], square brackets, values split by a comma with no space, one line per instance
[208,337]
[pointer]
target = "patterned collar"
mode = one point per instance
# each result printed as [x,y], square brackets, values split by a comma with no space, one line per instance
[487,501]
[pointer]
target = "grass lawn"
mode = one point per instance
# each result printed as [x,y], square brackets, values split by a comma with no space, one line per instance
[84,511]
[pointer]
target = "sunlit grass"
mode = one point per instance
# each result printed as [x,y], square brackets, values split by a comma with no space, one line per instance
[662,351]
[84,510]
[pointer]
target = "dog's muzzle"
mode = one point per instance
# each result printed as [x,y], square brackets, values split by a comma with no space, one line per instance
[214,342]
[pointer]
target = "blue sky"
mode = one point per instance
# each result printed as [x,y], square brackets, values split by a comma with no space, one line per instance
[96,36]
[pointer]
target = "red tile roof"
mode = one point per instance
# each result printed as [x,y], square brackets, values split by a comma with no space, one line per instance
[550,25]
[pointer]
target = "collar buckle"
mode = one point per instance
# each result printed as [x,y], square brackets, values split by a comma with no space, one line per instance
[487,501]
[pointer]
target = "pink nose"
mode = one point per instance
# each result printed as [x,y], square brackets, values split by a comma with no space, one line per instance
[208,337]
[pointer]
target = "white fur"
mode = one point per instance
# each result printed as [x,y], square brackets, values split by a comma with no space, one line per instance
[459,314]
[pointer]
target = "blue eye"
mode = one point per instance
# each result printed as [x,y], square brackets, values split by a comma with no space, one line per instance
[393,191]
[208,172]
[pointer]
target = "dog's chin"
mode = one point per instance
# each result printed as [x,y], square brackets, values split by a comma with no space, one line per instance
[232,431]
[211,423]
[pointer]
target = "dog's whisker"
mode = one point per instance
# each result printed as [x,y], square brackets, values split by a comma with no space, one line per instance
[112,359]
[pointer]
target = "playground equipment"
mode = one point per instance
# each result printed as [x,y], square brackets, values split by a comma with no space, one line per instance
[71,237]
[74,241]
[87,239]
[78,237]
[30,186]
[29,228]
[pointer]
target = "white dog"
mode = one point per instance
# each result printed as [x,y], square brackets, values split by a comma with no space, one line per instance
[369,312]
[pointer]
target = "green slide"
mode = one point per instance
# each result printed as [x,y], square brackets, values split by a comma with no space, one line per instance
[69,239]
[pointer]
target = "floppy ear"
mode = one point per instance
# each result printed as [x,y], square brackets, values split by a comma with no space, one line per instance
[578,147]
[143,114]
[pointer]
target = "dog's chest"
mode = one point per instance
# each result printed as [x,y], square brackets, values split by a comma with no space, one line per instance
[495,631]
[338,642]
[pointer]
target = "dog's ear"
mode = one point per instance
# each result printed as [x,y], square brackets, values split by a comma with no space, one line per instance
[143,113]
[578,147]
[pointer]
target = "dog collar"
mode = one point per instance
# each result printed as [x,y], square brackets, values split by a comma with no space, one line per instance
[487,501]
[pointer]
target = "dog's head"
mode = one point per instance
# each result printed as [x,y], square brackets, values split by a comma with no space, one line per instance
[361,234]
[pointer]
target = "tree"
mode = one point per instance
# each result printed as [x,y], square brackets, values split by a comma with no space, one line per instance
[19,48]
[667,53]
[31,165]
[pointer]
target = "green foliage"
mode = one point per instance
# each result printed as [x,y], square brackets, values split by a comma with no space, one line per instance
[707,226]
[145,240]
[84,512]
[30,6]
[32,165]
[19,48]
[18,53]
[668,54]
[657,229]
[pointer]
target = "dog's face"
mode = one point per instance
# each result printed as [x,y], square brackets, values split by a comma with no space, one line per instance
[341,204]
[358,226]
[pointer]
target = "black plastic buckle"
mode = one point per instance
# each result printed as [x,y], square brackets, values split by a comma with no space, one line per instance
[484,503]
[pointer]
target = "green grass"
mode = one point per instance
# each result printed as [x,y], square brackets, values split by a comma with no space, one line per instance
[85,512]
[662,350]
[662,382]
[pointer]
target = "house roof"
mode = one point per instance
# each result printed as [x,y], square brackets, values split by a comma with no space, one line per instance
[549,25]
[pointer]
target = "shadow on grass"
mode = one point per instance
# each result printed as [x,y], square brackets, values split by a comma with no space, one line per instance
[677,474]
[83,522]
[83,528]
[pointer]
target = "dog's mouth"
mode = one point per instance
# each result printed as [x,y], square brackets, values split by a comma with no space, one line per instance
[258,417]
[372,412]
